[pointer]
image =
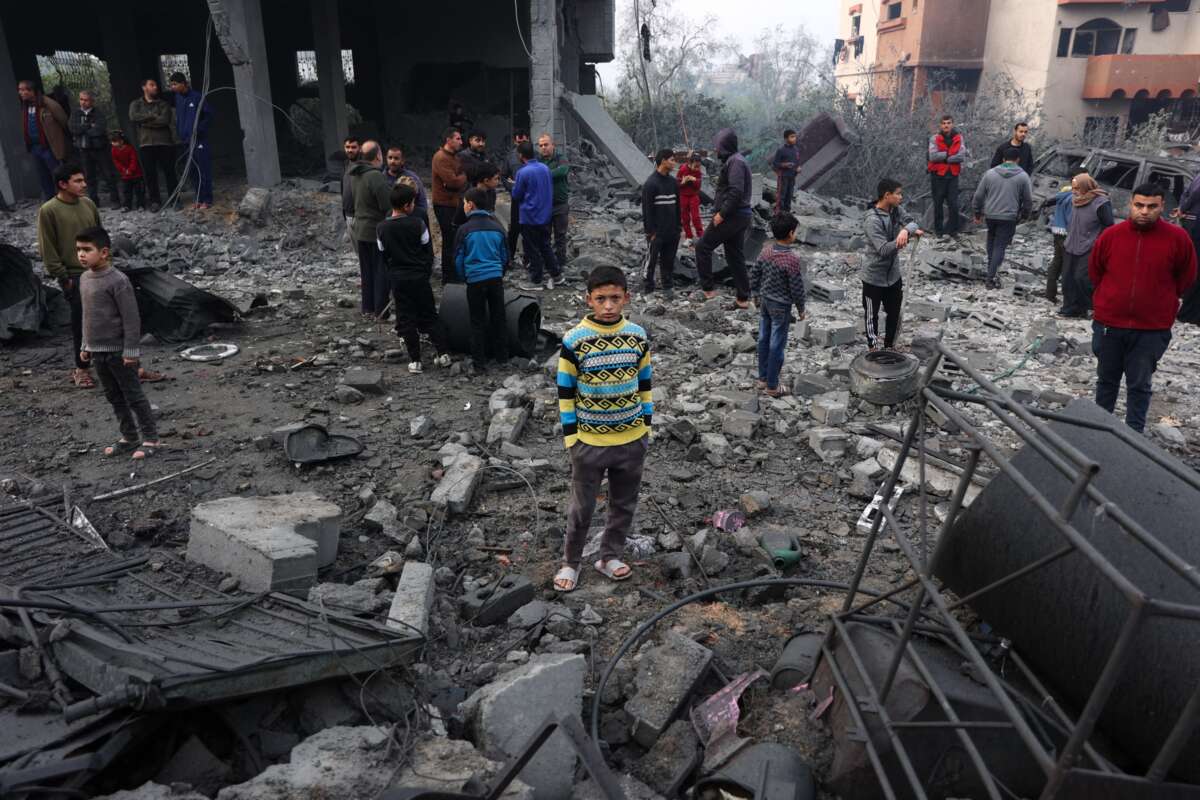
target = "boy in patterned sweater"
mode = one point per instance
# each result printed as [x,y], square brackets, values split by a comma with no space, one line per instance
[604,386]
[777,284]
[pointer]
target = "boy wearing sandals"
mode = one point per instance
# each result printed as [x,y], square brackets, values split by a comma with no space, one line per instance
[777,284]
[111,331]
[604,384]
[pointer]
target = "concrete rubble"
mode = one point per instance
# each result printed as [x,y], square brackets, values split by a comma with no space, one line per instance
[464,482]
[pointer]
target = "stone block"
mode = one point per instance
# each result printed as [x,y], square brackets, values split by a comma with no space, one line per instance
[367,381]
[741,424]
[811,385]
[672,759]
[667,675]
[828,443]
[826,292]
[714,443]
[833,335]
[413,599]
[865,477]
[831,408]
[925,309]
[382,518]
[507,425]
[255,205]
[360,597]
[494,603]
[459,483]
[273,543]
[504,398]
[504,714]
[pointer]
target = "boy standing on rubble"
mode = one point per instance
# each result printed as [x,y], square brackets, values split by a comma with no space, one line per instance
[605,406]
[660,219]
[887,233]
[407,250]
[786,163]
[480,256]
[689,178]
[111,332]
[777,284]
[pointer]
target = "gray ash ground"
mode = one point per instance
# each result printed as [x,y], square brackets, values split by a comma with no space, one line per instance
[704,368]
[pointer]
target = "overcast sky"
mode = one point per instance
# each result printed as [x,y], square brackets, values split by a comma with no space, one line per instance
[745,19]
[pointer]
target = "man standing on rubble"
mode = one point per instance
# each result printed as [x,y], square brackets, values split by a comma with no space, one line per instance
[1004,197]
[1140,268]
[449,181]
[44,124]
[947,152]
[372,204]
[396,171]
[730,223]
[1019,135]
[351,148]
[155,121]
[887,233]
[660,220]
[1091,214]
[89,129]
[560,215]
[512,165]
[786,163]
[193,114]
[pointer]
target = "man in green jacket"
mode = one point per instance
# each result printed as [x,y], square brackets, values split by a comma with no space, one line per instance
[59,221]
[155,121]
[562,211]
[372,204]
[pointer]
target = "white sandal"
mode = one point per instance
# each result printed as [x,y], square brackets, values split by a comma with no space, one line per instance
[609,569]
[568,575]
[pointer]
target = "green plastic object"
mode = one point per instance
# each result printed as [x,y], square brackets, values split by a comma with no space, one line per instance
[782,547]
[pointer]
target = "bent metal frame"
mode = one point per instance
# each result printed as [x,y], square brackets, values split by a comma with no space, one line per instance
[931,602]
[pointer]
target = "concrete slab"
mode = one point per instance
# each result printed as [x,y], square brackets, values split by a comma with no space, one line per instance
[666,677]
[505,713]
[458,484]
[413,599]
[609,137]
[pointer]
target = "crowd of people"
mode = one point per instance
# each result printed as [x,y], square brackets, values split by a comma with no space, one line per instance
[1127,276]
[169,133]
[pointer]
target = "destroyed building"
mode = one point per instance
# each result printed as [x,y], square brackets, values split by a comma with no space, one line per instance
[273,67]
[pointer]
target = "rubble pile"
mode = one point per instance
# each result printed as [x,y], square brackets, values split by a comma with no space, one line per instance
[442,523]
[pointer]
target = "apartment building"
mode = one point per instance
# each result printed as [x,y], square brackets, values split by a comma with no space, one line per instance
[910,47]
[1099,66]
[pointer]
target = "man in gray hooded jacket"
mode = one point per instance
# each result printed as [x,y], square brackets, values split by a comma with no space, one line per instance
[887,233]
[1004,197]
[730,222]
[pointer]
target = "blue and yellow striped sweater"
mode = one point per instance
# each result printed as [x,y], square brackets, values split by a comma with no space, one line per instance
[604,383]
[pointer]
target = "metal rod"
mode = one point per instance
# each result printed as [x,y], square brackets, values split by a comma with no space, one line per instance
[894,667]
[843,685]
[1012,576]
[1176,740]
[141,487]
[949,724]
[956,502]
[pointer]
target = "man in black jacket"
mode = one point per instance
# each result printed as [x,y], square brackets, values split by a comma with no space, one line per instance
[89,131]
[730,223]
[1017,140]
[660,218]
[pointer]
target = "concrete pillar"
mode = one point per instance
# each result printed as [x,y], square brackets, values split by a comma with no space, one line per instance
[239,26]
[543,71]
[121,53]
[331,82]
[17,177]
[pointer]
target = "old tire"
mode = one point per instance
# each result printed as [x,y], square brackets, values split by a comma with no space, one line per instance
[884,377]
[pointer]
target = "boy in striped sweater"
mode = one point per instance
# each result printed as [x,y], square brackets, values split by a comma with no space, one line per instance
[604,403]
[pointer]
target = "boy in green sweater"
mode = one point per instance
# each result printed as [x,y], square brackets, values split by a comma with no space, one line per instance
[605,406]
[111,332]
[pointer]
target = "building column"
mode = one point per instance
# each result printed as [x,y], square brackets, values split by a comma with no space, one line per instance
[239,26]
[119,42]
[331,82]
[18,181]
[544,86]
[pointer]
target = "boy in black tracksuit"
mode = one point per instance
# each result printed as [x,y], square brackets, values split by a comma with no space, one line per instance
[660,216]
[407,249]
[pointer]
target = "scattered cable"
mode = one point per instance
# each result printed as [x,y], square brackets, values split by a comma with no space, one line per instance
[517,22]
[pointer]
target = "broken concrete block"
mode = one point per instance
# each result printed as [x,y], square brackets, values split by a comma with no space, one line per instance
[494,603]
[504,714]
[413,599]
[925,309]
[450,451]
[672,759]
[828,443]
[457,487]
[938,481]
[382,518]
[865,477]
[667,675]
[831,408]
[367,381]
[438,764]
[507,425]
[826,292]
[337,762]
[420,427]
[714,443]
[812,385]
[503,398]
[1169,434]
[255,205]
[833,335]
[348,395]
[741,424]
[360,597]
[273,543]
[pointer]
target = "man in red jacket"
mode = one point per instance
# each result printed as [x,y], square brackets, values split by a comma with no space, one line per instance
[1139,268]
[947,152]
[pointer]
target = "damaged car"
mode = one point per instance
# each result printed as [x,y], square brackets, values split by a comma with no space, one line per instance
[1117,171]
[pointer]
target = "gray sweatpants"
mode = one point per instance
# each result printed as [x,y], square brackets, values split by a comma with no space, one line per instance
[623,464]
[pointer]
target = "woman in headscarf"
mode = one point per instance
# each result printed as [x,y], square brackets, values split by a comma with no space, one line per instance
[1092,213]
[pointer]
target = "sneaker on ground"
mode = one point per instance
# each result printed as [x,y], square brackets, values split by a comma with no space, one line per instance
[531,287]
[415,367]
[443,360]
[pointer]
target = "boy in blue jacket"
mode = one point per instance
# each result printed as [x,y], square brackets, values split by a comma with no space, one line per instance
[480,253]
[193,113]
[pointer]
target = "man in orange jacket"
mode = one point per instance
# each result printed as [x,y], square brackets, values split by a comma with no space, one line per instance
[947,152]
[1139,268]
